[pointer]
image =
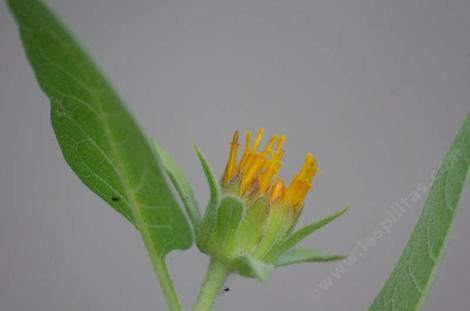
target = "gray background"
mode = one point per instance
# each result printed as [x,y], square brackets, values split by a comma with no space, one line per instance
[377,89]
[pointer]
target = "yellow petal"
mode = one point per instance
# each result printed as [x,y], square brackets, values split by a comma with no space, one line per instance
[231,167]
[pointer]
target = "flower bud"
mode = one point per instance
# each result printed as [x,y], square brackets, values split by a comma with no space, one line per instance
[256,210]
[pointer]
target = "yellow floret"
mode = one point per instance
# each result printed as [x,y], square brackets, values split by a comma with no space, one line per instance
[258,170]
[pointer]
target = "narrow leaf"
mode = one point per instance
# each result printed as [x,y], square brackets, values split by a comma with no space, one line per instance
[181,183]
[99,139]
[412,276]
[300,255]
[302,233]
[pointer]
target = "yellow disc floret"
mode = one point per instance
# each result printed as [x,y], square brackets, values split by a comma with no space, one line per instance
[231,167]
[257,171]
[301,183]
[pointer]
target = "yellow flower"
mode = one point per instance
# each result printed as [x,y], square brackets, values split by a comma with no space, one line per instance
[256,174]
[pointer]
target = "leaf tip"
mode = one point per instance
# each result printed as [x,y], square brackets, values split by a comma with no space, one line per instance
[344,210]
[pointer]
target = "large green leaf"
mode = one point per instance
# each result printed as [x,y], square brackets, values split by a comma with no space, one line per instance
[412,276]
[99,139]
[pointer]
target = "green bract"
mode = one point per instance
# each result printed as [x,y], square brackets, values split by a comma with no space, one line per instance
[236,230]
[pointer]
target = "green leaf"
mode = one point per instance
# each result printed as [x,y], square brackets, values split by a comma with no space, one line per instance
[300,255]
[302,233]
[412,276]
[181,183]
[249,266]
[99,139]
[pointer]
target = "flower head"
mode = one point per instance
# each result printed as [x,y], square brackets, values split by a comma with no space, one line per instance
[248,223]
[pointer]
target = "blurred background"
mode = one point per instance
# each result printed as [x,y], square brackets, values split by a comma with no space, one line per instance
[376,89]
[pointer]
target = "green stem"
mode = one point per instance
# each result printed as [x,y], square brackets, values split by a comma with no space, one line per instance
[160,268]
[215,279]
[166,283]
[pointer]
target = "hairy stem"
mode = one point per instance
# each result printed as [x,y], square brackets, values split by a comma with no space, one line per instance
[215,279]
[166,283]
[159,266]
